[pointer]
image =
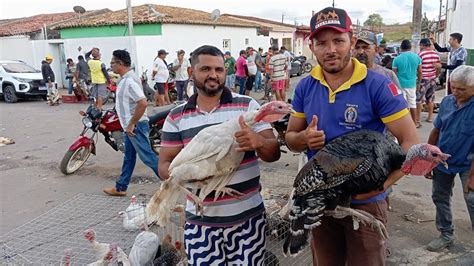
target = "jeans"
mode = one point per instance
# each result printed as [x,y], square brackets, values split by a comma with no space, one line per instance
[181,86]
[71,87]
[258,80]
[241,81]
[442,191]
[230,81]
[138,144]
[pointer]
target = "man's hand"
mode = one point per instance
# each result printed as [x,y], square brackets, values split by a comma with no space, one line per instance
[432,38]
[247,138]
[469,185]
[314,138]
[129,130]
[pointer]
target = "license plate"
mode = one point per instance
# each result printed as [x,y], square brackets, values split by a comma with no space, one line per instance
[42,88]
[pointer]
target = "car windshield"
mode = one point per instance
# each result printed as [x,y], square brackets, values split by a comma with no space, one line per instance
[18,67]
[391,49]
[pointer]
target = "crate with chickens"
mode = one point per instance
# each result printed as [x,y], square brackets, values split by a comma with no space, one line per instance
[95,229]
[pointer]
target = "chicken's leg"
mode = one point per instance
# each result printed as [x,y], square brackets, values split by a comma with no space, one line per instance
[228,191]
[197,201]
[359,216]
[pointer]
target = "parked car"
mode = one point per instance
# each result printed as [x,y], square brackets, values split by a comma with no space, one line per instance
[19,80]
[392,50]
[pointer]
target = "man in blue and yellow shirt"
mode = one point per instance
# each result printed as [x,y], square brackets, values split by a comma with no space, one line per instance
[341,96]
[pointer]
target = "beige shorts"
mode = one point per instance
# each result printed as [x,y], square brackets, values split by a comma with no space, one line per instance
[410,96]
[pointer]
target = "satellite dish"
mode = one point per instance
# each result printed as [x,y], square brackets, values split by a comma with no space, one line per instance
[215,15]
[79,10]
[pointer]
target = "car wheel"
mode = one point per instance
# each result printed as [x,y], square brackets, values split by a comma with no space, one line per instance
[9,94]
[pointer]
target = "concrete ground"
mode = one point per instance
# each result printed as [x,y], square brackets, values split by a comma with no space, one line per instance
[32,184]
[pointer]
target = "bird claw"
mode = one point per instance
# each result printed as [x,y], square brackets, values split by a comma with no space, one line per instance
[228,191]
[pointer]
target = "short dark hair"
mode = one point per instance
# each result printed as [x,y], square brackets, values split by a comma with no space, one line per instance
[274,48]
[80,57]
[405,45]
[283,48]
[123,56]
[242,52]
[69,60]
[457,36]
[206,50]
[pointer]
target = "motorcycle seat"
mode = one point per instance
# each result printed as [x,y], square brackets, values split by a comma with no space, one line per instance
[159,113]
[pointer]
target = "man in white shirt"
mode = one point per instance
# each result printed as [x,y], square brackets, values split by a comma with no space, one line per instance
[181,66]
[160,75]
[252,68]
[289,57]
[131,109]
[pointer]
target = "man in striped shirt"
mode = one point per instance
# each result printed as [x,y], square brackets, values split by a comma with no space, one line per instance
[230,231]
[278,68]
[430,69]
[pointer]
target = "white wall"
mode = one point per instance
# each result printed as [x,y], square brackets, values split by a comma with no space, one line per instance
[16,48]
[280,36]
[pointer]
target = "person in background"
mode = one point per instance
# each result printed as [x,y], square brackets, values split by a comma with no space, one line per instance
[457,53]
[260,68]
[278,67]
[407,66]
[289,58]
[430,68]
[268,84]
[131,109]
[181,67]
[241,71]
[229,64]
[99,77]
[49,80]
[82,74]
[379,55]
[70,70]
[160,75]
[453,134]
[252,70]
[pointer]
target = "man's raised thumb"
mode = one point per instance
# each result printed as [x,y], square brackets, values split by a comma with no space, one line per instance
[314,123]
[242,122]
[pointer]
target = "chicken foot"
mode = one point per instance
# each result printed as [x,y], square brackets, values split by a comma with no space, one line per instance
[228,191]
[359,216]
[197,201]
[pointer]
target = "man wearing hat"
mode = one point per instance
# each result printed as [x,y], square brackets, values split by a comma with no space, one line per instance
[160,75]
[341,96]
[48,80]
[182,67]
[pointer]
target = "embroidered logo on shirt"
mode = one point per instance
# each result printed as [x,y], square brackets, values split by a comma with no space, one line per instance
[393,89]
[350,115]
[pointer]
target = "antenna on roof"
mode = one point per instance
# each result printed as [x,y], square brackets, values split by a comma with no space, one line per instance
[79,10]
[215,15]
[153,13]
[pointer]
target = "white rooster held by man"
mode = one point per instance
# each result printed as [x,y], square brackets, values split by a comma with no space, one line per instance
[209,161]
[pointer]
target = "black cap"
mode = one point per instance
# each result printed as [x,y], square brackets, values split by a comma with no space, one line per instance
[162,51]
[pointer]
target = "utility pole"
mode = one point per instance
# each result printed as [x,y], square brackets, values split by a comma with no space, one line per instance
[416,23]
[130,18]
[439,18]
[282,17]
[332,3]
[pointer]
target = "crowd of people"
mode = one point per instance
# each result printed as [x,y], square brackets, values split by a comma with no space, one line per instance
[348,90]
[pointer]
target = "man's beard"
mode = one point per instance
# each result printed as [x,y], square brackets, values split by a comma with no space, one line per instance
[363,58]
[339,68]
[209,91]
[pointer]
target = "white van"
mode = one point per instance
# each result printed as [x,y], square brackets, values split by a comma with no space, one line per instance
[19,80]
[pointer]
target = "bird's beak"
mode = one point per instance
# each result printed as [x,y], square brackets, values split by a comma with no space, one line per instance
[445,164]
[292,111]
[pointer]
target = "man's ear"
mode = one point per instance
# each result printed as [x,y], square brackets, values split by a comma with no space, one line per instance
[353,41]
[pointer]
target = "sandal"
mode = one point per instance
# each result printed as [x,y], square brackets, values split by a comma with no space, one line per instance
[418,125]
[429,120]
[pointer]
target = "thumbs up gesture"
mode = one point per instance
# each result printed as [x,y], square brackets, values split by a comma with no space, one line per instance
[314,138]
[247,138]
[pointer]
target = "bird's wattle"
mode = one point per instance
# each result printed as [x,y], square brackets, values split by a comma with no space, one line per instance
[269,118]
[422,167]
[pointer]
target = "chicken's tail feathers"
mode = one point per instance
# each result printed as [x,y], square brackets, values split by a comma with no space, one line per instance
[305,215]
[158,209]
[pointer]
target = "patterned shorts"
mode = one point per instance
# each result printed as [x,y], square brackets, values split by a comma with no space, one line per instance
[426,92]
[242,244]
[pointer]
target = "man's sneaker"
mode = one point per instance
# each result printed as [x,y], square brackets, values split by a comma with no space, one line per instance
[112,191]
[439,244]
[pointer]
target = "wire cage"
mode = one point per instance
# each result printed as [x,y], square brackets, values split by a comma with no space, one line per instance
[44,239]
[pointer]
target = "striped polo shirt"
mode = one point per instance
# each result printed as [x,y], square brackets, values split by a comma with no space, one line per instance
[428,61]
[278,63]
[183,123]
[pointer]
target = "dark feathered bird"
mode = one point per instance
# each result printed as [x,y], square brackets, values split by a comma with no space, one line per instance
[356,163]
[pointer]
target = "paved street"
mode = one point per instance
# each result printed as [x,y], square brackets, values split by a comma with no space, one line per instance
[32,184]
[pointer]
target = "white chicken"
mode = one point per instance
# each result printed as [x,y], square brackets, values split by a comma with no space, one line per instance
[66,259]
[131,224]
[209,160]
[114,256]
[100,249]
[144,248]
[135,208]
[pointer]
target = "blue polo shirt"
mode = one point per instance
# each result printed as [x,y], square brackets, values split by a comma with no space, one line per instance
[456,134]
[367,100]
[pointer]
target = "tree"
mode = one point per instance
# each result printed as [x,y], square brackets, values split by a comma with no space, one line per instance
[374,21]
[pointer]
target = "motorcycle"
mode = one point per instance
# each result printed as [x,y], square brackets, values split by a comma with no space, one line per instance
[307,67]
[171,84]
[149,92]
[107,123]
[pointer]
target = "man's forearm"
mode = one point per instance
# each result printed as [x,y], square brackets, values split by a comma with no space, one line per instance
[163,167]
[433,138]
[270,150]
[296,141]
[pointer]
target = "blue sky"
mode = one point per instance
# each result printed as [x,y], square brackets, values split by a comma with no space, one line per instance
[293,11]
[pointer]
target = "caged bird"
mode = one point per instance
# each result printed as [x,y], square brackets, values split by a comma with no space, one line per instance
[356,163]
[208,160]
[144,248]
[66,259]
[100,249]
[167,253]
[114,256]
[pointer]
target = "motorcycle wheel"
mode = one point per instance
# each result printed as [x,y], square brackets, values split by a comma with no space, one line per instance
[155,139]
[74,160]
[308,67]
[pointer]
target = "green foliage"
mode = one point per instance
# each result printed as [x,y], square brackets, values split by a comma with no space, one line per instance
[374,20]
